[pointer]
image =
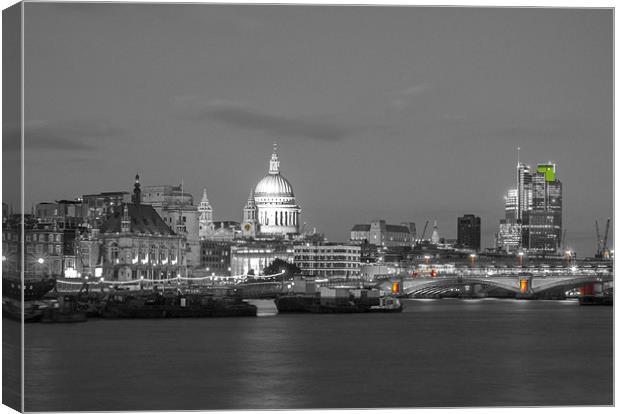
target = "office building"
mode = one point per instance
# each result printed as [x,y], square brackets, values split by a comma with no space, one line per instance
[330,260]
[468,232]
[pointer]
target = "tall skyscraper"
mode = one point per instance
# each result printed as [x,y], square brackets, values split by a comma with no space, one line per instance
[544,220]
[533,211]
[468,232]
[524,189]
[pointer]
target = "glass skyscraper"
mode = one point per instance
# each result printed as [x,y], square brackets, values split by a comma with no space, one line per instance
[533,211]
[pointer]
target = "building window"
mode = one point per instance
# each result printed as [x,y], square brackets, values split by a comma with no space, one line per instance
[114,252]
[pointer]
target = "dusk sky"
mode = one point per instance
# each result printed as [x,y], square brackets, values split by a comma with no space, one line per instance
[401,113]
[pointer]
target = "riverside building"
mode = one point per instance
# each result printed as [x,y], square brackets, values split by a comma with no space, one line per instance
[329,260]
[135,243]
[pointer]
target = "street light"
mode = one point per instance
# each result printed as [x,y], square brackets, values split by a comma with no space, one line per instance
[473,260]
[40,260]
[520,256]
[283,271]
[568,255]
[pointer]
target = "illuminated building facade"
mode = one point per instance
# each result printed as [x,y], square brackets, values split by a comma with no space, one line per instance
[135,243]
[215,257]
[534,209]
[277,212]
[176,208]
[253,258]
[98,206]
[330,260]
[379,233]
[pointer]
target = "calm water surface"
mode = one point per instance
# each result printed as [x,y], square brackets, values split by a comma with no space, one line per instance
[436,353]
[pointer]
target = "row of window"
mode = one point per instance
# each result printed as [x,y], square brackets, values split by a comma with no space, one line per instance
[10,236]
[321,253]
[40,248]
[304,265]
[329,258]
[44,237]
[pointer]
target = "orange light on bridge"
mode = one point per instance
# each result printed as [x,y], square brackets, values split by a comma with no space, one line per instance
[395,287]
[586,290]
[523,285]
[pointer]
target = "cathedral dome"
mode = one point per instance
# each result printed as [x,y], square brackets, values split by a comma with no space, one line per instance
[274,185]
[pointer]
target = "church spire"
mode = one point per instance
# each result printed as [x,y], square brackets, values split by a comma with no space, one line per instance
[137,193]
[274,163]
[204,199]
[205,209]
[251,201]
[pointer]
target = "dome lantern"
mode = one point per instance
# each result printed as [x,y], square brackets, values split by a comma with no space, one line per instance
[274,163]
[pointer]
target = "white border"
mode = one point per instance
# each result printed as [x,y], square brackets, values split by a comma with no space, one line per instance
[496,3]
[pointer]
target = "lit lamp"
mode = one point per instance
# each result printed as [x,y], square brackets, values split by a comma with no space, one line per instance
[520,256]
[283,272]
[568,255]
[473,260]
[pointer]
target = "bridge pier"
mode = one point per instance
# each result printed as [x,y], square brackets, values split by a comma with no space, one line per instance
[397,286]
[525,287]
[591,289]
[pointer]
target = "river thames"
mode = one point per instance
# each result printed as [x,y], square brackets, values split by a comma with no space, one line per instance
[437,353]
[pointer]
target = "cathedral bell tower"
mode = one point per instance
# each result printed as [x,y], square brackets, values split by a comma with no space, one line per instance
[205,220]
[250,217]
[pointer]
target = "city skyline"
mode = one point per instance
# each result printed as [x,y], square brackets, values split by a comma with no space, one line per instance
[417,118]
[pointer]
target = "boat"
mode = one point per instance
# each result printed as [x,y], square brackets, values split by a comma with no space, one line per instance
[64,309]
[161,305]
[387,304]
[591,300]
[32,310]
[337,300]
[33,288]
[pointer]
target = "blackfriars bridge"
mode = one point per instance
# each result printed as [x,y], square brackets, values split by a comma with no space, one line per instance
[523,285]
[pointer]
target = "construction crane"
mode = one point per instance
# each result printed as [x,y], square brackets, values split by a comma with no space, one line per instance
[602,252]
[605,249]
[424,231]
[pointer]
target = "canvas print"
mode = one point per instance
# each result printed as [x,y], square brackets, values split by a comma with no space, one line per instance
[246,206]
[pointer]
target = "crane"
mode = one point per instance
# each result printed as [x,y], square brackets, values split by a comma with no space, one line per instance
[598,240]
[602,252]
[424,231]
[605,249]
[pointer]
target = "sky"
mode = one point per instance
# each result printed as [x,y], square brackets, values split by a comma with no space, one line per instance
[400,113]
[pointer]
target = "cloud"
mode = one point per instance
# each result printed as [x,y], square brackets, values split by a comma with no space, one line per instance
[402,97]
[64,135]
[324,128]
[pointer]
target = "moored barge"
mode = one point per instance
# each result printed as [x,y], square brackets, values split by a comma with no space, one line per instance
[160,305]
[337,300]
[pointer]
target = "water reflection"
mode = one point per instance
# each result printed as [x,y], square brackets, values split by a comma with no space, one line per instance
[436,353]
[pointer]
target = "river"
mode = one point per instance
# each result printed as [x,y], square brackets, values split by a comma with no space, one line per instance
[437,353]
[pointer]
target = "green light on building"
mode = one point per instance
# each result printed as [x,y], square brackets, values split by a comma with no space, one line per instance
[548,170]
